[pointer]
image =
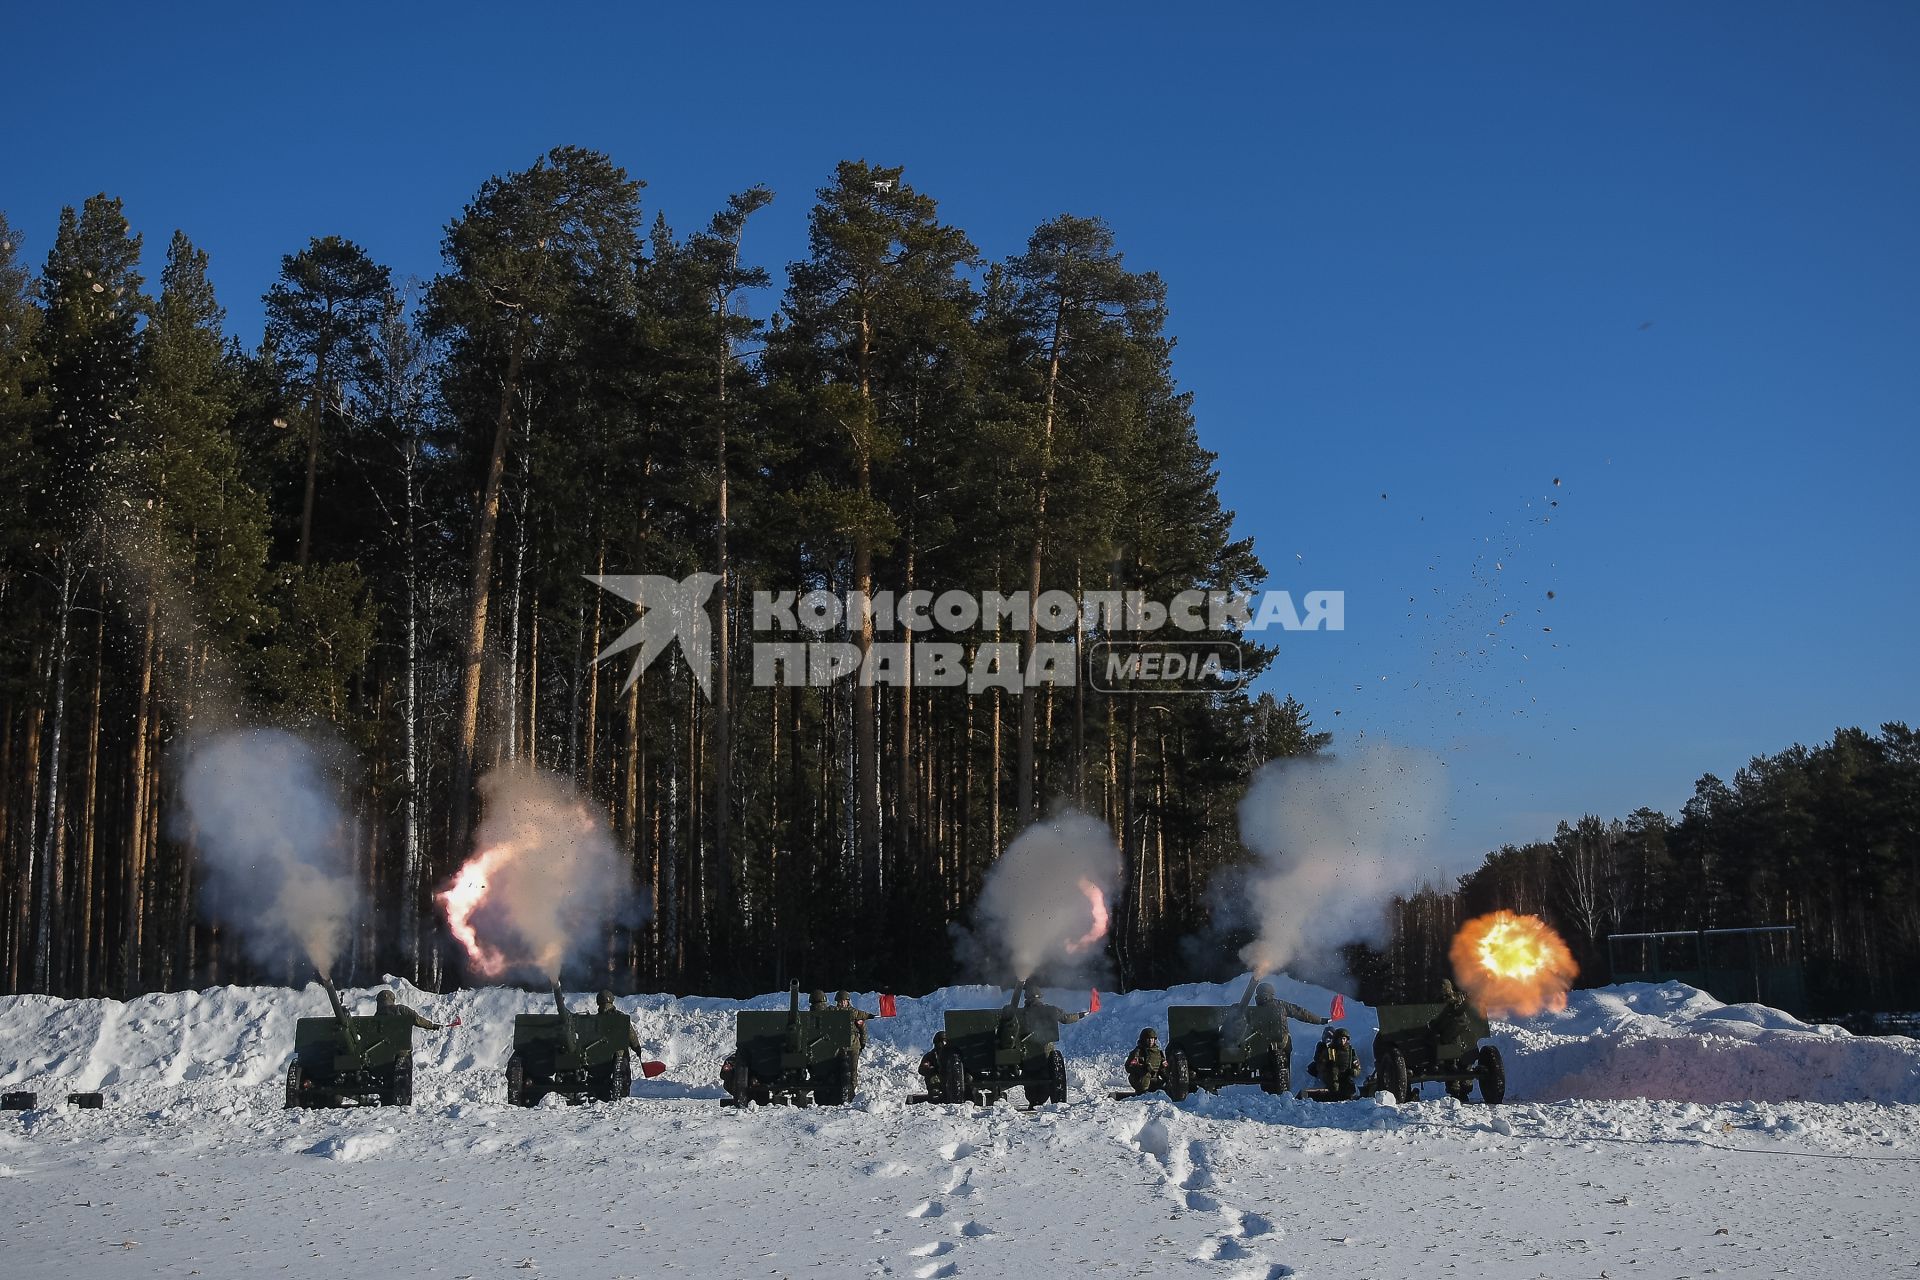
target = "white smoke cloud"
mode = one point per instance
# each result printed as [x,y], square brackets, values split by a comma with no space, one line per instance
[1035,913]
[546,879]
[1335,839]
[261,809]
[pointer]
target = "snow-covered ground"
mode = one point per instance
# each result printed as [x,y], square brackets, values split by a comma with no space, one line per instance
[1650,1131]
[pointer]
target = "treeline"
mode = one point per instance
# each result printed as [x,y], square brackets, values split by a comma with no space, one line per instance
[374,527]
[1824,838]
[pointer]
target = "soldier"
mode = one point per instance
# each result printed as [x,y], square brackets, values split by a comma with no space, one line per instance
[1336,1066]
[1274,1015]
[607,1006]
[841,1000]
[1454,1022]
[930,1067]
[1146,1065]
[1037,1011]
[387,1005]
[816,1001]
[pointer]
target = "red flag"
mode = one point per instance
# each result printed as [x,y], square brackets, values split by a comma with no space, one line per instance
[652,1069]
[888,1006]
[1093,1005]
[454,1023]
[1339,1008]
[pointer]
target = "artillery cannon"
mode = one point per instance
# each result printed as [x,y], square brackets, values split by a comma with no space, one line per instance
[351,1060]
[1406,1054]
[1210,1046]
[991,1052]
[576,1055]
[793,1056]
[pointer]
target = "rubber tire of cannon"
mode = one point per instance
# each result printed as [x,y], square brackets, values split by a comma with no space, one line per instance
[1390,1074]
[953,1080]
[293,1083]
[1491,1070]
[622,1077]
[1179,1078]
[1057,1077]
[516,1082]
[1276,1073]
[401,1094]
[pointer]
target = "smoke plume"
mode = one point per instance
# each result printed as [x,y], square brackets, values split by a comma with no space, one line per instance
[1335,840]
[545,881]
[1044,904]
[261,808]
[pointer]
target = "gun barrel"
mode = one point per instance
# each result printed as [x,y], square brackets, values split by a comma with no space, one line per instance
[340,1014]
[793,1000]
[566,1018]
[1246,997]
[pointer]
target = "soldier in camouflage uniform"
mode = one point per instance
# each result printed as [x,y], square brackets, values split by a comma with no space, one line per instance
[606,1005]
[841,1000]
[816,1001]
[388,1005]
[1454,1022]
[930,1067]
[1271,1014]
[1336,1066]
[1147,1065]
[1039,1014]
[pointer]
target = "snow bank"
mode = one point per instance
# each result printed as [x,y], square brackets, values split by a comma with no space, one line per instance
[1664,1042]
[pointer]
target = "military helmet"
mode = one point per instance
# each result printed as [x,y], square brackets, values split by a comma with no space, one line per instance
[1447,991]
[606,999]
[939,1039]
[1264,991]
[816,997]
[1148,1033]
[841,997]
[385,1000]
[1340,1036]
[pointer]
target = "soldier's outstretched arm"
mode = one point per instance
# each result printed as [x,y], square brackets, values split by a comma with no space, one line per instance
[1298,1014]
[426,1024]
[1073,1017]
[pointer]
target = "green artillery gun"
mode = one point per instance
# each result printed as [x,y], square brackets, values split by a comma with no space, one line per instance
[351,1060]
[990,1052]
[576,1055]
[1407,1054]
[795,1056]
[1210,1046]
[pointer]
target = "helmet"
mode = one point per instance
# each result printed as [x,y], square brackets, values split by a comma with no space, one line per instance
[817,999]
[841,997]
[385,1000]
[1264,991]
[1447,989]
[1148,1033]
[606,999]
[1341,1037]
[939,1039]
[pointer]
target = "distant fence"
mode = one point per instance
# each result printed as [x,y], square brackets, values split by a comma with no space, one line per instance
[1736,966]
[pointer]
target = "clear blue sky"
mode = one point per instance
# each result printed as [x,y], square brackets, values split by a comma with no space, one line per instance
[1665,253]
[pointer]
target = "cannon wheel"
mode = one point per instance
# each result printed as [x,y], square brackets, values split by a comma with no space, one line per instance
[622,1077]
[953,1079]
[1390,1074]
[1056,1077]
[1179,1078]
[517,1082]
[1491,1070]
[293,1083]
[1276,1073]
[400,1094]
[836,1087]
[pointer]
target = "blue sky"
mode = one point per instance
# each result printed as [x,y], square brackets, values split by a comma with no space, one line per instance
[1663,253]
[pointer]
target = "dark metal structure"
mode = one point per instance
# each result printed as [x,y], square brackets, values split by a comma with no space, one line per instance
[796,1056]
[1760,964]
[1406,1054]
[580,1056]
[349,1060]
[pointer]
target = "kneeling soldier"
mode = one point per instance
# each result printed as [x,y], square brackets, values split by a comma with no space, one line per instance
[1146,1065]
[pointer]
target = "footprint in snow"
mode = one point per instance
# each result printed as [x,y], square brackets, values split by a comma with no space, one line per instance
[1224,1249]
[938,1249]
[927,1209]
[958,1151]
[1253,1226]
[936,1271]
[1201,1202]
[973,1230]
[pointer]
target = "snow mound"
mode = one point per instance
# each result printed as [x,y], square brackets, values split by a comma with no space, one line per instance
[1666,1042]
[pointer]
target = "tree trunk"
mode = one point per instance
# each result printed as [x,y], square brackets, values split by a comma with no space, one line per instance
[53,846]
[314,423]
[468,729]
[1025,792]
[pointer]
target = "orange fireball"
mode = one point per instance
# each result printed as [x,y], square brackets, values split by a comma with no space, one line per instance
[1512,964]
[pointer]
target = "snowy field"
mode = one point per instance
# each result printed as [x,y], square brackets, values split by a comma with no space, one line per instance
[1650,1131]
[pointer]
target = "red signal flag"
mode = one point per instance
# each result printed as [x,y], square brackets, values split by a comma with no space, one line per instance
[1093,1005]
[652,1069]
[1339,1008]
[889,1007]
